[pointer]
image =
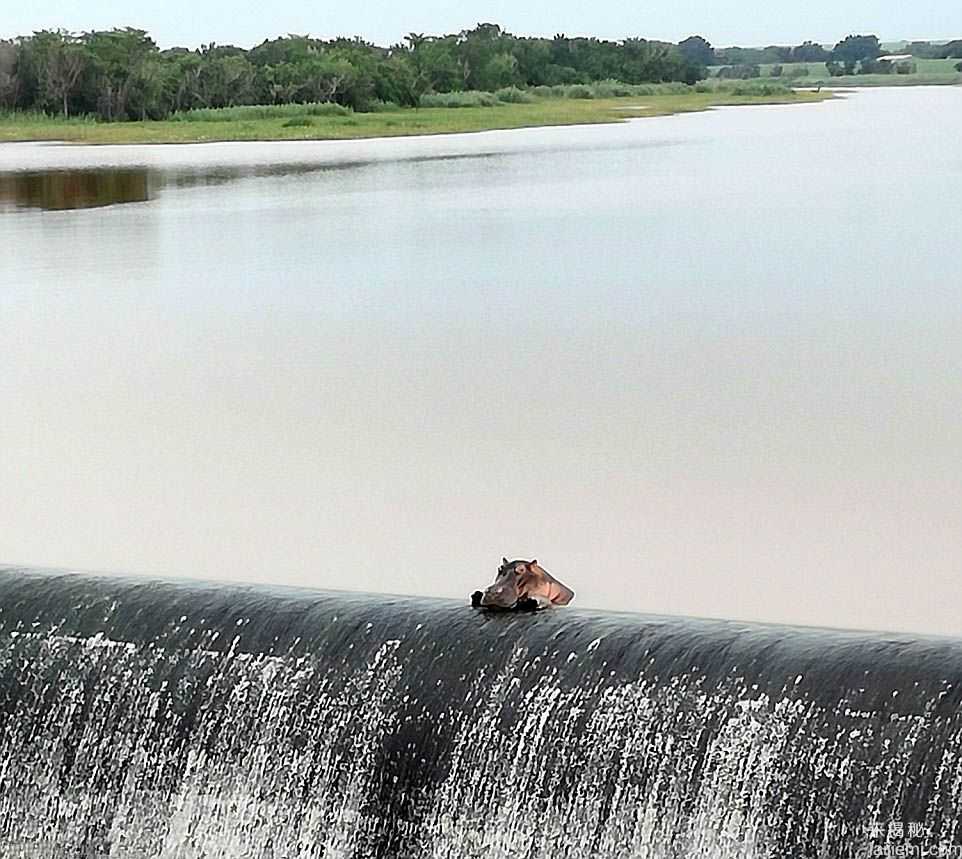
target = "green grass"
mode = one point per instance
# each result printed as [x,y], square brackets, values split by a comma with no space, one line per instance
[33,117]
[929,73]
[471,98]
[600,90]
[937,67]
[883,80]
[291,122]
[261,111]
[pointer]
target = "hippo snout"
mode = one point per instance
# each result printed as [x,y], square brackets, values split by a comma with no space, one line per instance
[498,596]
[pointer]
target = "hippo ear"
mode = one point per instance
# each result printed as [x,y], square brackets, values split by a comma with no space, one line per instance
[504,560]
[532,563]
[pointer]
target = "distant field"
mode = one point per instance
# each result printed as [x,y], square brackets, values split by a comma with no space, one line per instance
[930,72]
[299,122]
[929,67]
[882,80]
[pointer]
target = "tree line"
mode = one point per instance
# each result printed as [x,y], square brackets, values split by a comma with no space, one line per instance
[850,50]
[856,54]
[121,74]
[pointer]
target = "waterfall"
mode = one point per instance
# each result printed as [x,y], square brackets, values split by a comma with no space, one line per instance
[189,720]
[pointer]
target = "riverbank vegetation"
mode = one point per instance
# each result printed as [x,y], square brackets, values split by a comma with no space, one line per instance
[122,74]
[855,61]
[119,86]
[462,112]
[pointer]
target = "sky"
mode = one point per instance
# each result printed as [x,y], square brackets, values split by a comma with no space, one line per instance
[178,22]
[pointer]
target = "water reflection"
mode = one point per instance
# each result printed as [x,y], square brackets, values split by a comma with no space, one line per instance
[59,190]
[718,370]
[63,189]
[74,189]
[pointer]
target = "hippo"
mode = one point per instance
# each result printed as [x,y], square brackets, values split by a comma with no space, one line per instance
[522,585]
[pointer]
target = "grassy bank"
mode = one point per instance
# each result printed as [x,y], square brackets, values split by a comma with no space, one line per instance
[928,73]
[307,122]
[882,80]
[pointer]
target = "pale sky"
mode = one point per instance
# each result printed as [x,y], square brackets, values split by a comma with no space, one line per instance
[179,22]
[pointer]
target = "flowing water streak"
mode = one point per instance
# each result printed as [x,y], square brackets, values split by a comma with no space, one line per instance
[175,720]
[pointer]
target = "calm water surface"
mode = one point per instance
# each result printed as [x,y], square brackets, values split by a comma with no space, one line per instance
[708,364]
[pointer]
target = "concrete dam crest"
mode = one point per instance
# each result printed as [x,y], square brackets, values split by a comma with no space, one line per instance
[188,720]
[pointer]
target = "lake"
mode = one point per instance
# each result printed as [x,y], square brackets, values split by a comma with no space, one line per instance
[707,364]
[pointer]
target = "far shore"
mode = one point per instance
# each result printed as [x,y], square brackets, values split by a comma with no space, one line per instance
[391,123]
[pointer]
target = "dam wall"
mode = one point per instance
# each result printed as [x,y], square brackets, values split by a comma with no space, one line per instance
[189,720]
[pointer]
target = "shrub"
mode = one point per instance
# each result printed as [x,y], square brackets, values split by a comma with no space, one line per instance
[556,75]
[512,95]
[578,91]
[378,106]
[261,111]
[611,89]
[471,98]
[759,88]
[542,91]
[671,88]
[741,72]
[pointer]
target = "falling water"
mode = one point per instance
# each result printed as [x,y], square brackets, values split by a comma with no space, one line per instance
[184,720]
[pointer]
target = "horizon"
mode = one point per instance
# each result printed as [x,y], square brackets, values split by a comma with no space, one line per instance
[249,45]
[249,30]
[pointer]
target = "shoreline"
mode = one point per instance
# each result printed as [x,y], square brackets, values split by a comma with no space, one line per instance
[406,122]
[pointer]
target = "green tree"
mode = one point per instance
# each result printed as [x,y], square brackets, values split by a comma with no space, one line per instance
[742,72]
[287,49]
[281,81]
[854,49]
[61,60]
[952,50]
[436,63]
[226,80]
[697,50]
[151,89]
[320,78]
[923,50]
[499,71]
[117,57]
[810,52]
[534,58]
[8,74]
[750,56]
[476,49]
[398,81]
[120,74]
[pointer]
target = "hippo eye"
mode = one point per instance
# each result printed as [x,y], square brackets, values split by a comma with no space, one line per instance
[518,570]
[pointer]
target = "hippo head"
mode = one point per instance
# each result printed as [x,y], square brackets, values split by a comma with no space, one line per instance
[519,580]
